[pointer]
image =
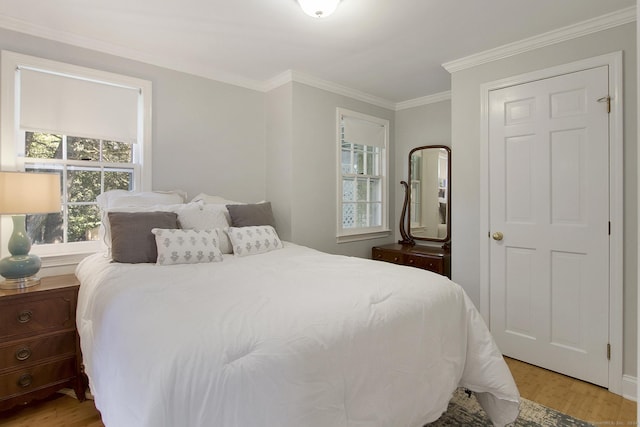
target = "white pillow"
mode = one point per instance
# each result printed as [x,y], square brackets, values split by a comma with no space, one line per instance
[198,216]
[177,246]
[124,198]
[136,201]
[254,240]
[216,200]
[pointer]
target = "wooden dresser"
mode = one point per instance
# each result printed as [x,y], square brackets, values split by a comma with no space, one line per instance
[430,258]
[39,344]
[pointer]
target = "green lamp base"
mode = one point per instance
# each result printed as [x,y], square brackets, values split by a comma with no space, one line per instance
[20,268]
[19,271]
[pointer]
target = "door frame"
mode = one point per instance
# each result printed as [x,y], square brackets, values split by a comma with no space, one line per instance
[614,62]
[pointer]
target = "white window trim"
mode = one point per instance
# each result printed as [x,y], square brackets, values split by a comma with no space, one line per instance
[356,234]
[10,133]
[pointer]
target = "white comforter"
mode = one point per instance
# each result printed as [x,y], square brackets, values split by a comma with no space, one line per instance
[290,338]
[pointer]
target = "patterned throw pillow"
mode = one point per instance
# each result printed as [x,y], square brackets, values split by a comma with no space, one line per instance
[176,246]
[254,240]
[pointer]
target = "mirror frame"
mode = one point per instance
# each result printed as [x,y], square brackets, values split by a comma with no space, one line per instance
[407,238]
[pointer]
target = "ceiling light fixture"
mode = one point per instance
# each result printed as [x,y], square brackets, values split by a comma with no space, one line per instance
[319,8]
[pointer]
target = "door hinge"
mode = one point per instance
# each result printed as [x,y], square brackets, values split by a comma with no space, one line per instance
[608,351]
[606,99]
[609,228]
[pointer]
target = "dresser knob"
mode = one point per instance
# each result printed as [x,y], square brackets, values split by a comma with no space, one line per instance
[25,316]
[410,261]
[23,353]
[25,380]
[395,258]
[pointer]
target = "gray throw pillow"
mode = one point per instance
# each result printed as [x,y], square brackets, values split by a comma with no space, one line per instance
[131,238]
[251,215]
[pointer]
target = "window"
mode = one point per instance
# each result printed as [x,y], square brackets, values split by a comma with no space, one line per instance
[87,167]
[362,178]
[89,126]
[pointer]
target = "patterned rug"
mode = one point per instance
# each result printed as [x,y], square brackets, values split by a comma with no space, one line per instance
[465,411]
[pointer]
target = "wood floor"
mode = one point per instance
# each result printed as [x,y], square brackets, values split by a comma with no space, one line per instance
[568,395]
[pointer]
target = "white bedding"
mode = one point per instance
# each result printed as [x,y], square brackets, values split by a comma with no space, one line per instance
[290,338]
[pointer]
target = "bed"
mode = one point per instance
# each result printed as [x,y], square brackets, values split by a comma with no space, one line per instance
[288,337]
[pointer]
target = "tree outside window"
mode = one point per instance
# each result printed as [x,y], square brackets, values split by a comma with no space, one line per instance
[87,167]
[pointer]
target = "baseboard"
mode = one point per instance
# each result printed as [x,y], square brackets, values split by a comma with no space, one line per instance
[630,387]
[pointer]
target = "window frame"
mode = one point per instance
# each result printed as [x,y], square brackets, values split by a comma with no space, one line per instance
[12,140]
[344,235]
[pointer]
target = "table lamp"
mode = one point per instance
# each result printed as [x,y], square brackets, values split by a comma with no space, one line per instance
[24,193]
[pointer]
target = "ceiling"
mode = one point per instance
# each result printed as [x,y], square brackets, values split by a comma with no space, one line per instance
[390,49]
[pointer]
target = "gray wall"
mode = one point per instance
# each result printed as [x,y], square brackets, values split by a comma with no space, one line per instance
[425,125]
[279,135]
[207,136]
[465,86]
[309,162]
[239,143]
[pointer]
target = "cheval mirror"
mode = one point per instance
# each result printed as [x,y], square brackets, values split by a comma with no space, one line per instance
[426,212]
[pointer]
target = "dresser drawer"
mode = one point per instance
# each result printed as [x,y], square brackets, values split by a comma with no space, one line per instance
[427,263]
[394,257]
[31,351]
[436,259]
[31,379]
[35,315]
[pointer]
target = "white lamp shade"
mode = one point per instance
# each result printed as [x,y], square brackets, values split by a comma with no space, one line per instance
[29,193]
[319,8]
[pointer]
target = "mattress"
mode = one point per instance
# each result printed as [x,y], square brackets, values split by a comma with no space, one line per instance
[292,337]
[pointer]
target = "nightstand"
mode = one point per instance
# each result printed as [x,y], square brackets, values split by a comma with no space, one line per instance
[436,259]
[39,343]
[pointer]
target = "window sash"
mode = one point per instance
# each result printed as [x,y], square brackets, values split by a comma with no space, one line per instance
[362,176]
[12,138]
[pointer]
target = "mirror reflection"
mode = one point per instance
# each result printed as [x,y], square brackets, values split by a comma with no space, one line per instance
[429,169]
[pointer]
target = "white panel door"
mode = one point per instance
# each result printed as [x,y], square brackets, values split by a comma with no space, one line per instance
[549,199]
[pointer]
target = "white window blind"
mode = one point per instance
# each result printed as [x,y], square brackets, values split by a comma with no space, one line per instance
[363,132]
[64,104]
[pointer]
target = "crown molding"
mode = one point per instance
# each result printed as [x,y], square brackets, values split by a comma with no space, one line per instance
[338,89]
[424,100]
[604,22]
[277,81]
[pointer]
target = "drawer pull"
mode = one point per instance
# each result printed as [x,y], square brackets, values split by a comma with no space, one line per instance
[410,261]
[395,258]
[25,316]
[25,380]
[23,353]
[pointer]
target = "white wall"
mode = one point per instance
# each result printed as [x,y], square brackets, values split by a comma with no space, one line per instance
[465,86]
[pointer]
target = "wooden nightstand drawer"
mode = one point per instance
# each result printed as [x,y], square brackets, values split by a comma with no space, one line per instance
[37,314]
[28,380]
[31,351]
[39,344]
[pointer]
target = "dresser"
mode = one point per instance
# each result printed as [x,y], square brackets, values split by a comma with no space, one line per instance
[436,259]
[39,343]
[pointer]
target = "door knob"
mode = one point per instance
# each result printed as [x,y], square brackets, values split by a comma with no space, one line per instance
[498,236]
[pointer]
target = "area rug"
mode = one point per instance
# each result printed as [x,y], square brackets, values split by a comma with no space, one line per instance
[465,411]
